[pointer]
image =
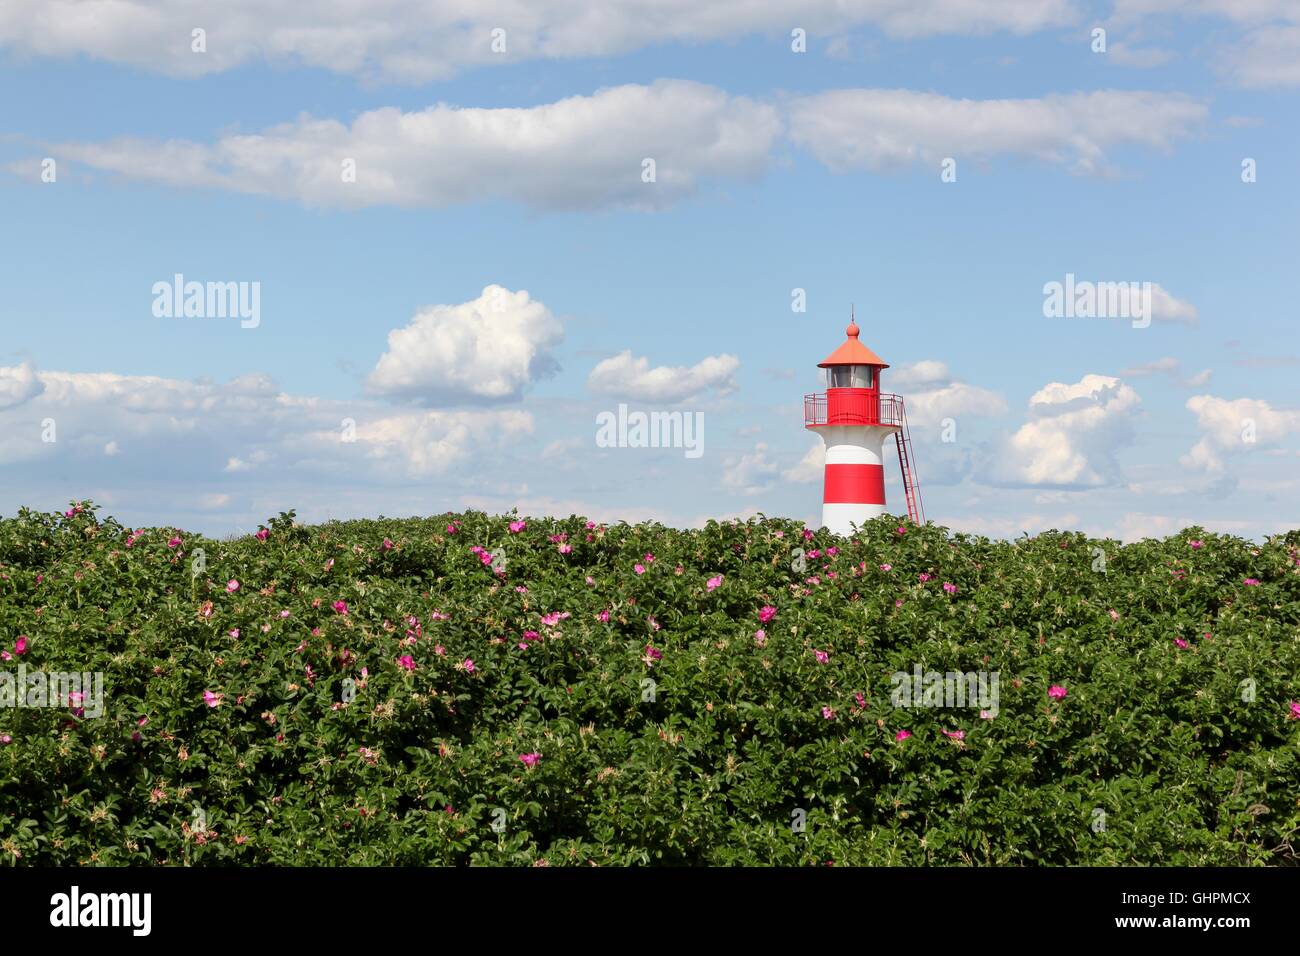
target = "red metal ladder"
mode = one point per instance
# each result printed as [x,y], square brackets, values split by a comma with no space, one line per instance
[911,486]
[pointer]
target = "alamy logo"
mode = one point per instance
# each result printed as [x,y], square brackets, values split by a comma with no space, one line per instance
[208,300]
[103,909]
[1098,300]
[653,430]
[82,691]
[951,689]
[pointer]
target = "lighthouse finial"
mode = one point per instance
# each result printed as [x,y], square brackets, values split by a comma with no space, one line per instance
[852,330]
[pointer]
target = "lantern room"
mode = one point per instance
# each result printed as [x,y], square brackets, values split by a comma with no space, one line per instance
[853,365]
[852,395]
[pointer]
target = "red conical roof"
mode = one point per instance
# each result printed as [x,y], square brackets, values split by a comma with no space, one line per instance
[853,352]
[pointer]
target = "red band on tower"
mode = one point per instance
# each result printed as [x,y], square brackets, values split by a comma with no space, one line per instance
[854,484]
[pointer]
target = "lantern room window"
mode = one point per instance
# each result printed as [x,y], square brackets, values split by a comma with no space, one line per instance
[848,376]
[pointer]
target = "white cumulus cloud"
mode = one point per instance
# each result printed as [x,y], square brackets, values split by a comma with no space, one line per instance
[595,151]
[188,434]
[18,384]
[810,467]
[421,40]
[751,473]
[1265,53]
[583,152]
[1233,426]
[625,376]
[931,394]
[489,348]
[1072,436]
[882,129]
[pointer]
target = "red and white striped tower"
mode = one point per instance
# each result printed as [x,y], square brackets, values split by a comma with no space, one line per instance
[854,419]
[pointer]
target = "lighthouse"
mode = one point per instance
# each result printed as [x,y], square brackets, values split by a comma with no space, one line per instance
[854,418]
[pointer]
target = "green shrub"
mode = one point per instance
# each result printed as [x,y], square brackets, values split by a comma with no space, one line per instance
[1157,754]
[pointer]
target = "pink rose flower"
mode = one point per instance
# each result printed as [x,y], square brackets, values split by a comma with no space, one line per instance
[173,542]
[714,582]
[822,657]
[902,735]
[530,760]
[20,645]
[1181,643]
[340,607]
[639,568]
[262,534]
[406,662]
[828,713]
[386,546]
[211,699]
[766,613]
[950,588]
[468,665]
[955,734]
[1057,692]
[517,526]
[232,585]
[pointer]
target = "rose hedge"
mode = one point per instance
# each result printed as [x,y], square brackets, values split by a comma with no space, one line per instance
[500,712]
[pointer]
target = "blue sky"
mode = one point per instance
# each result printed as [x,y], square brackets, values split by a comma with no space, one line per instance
[776,171]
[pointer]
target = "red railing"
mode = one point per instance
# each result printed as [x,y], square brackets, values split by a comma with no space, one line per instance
[852,406]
